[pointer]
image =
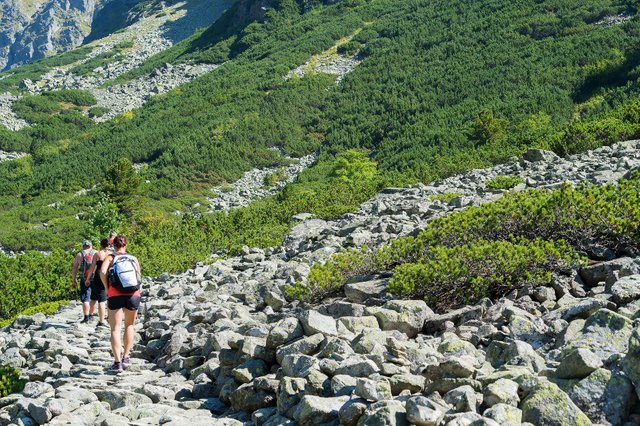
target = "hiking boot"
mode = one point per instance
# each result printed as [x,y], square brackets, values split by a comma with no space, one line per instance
[116,368]
[126,362]
[101,324]
[85,320]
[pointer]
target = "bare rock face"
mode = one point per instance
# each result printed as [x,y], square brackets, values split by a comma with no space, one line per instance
[56,26]
[33,30]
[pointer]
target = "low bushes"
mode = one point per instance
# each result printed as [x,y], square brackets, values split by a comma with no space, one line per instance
[504,182]
[48,308]
[488,250]
[450,277]
[10,381]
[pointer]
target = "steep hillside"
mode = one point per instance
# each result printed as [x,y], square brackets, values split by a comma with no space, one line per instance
[386,93]
[219,344]
[32,30]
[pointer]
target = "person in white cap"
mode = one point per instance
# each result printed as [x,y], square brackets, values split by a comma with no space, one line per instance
[82,263]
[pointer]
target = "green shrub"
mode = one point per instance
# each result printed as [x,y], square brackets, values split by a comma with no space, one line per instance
[449,277]
[504,182]
[48,308]
[581,136]
[34,279]
[72,96]
[350,48]
[98,111]
[10,381]
[272,179]
[564,221]
[446,197]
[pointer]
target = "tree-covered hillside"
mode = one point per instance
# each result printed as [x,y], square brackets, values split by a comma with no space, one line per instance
[443,86]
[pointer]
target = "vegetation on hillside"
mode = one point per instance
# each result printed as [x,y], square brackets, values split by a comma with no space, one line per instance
[442,87]
[489,250]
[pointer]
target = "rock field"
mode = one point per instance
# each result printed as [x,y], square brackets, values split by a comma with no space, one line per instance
[219,345]
[7,116]
[6,156]
[250,187]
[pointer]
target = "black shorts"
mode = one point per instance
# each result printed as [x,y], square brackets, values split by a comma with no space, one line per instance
[98,292]
[131,303]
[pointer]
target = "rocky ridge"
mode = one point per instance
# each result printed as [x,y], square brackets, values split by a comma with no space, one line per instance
[148,36]
[53,27]
[218,344]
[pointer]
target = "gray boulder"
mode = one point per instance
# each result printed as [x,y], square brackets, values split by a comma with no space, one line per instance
[384,413]
[605,396]
[375,389]
[578,364]
[626,289]
[502,391]
[407,316]
[360,292]
[422,411]
[315,410]
[314,322]
[547,405]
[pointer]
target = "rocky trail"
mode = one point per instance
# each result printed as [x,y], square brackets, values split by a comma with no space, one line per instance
[219,345]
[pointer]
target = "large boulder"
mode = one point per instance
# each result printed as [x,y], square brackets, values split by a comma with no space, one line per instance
[626,289]
[422,411]
[360,292]
[547,405]
[605,333]
[407,316]
[578,364]
[605,396]
[284,331]
[600,272]
[314,322]
[536,155]
[315,410]
[384,413]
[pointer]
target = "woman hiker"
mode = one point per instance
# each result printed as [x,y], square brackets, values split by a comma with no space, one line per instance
[98,291]
[120,275]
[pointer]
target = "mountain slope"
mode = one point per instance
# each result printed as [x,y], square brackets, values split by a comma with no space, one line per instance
[218,344]
[432,90]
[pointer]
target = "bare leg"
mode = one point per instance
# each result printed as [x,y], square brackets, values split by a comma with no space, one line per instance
[129,321]
[115,321]
[101,310]
[85,308]
[92,307]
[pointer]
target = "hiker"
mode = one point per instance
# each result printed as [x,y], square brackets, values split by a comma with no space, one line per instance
[98,290]
[120,274]
[82,263]
[111,237]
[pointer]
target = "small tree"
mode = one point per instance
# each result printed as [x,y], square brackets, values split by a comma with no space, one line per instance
[354,166]
[486,128]
[121,184]
[104,218]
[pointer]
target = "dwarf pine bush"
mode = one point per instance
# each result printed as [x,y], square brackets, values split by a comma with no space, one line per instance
[504,182]
[10,381]
[488,250]
[449,277]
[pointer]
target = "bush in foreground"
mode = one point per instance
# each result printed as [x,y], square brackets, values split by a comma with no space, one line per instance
[10,381]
